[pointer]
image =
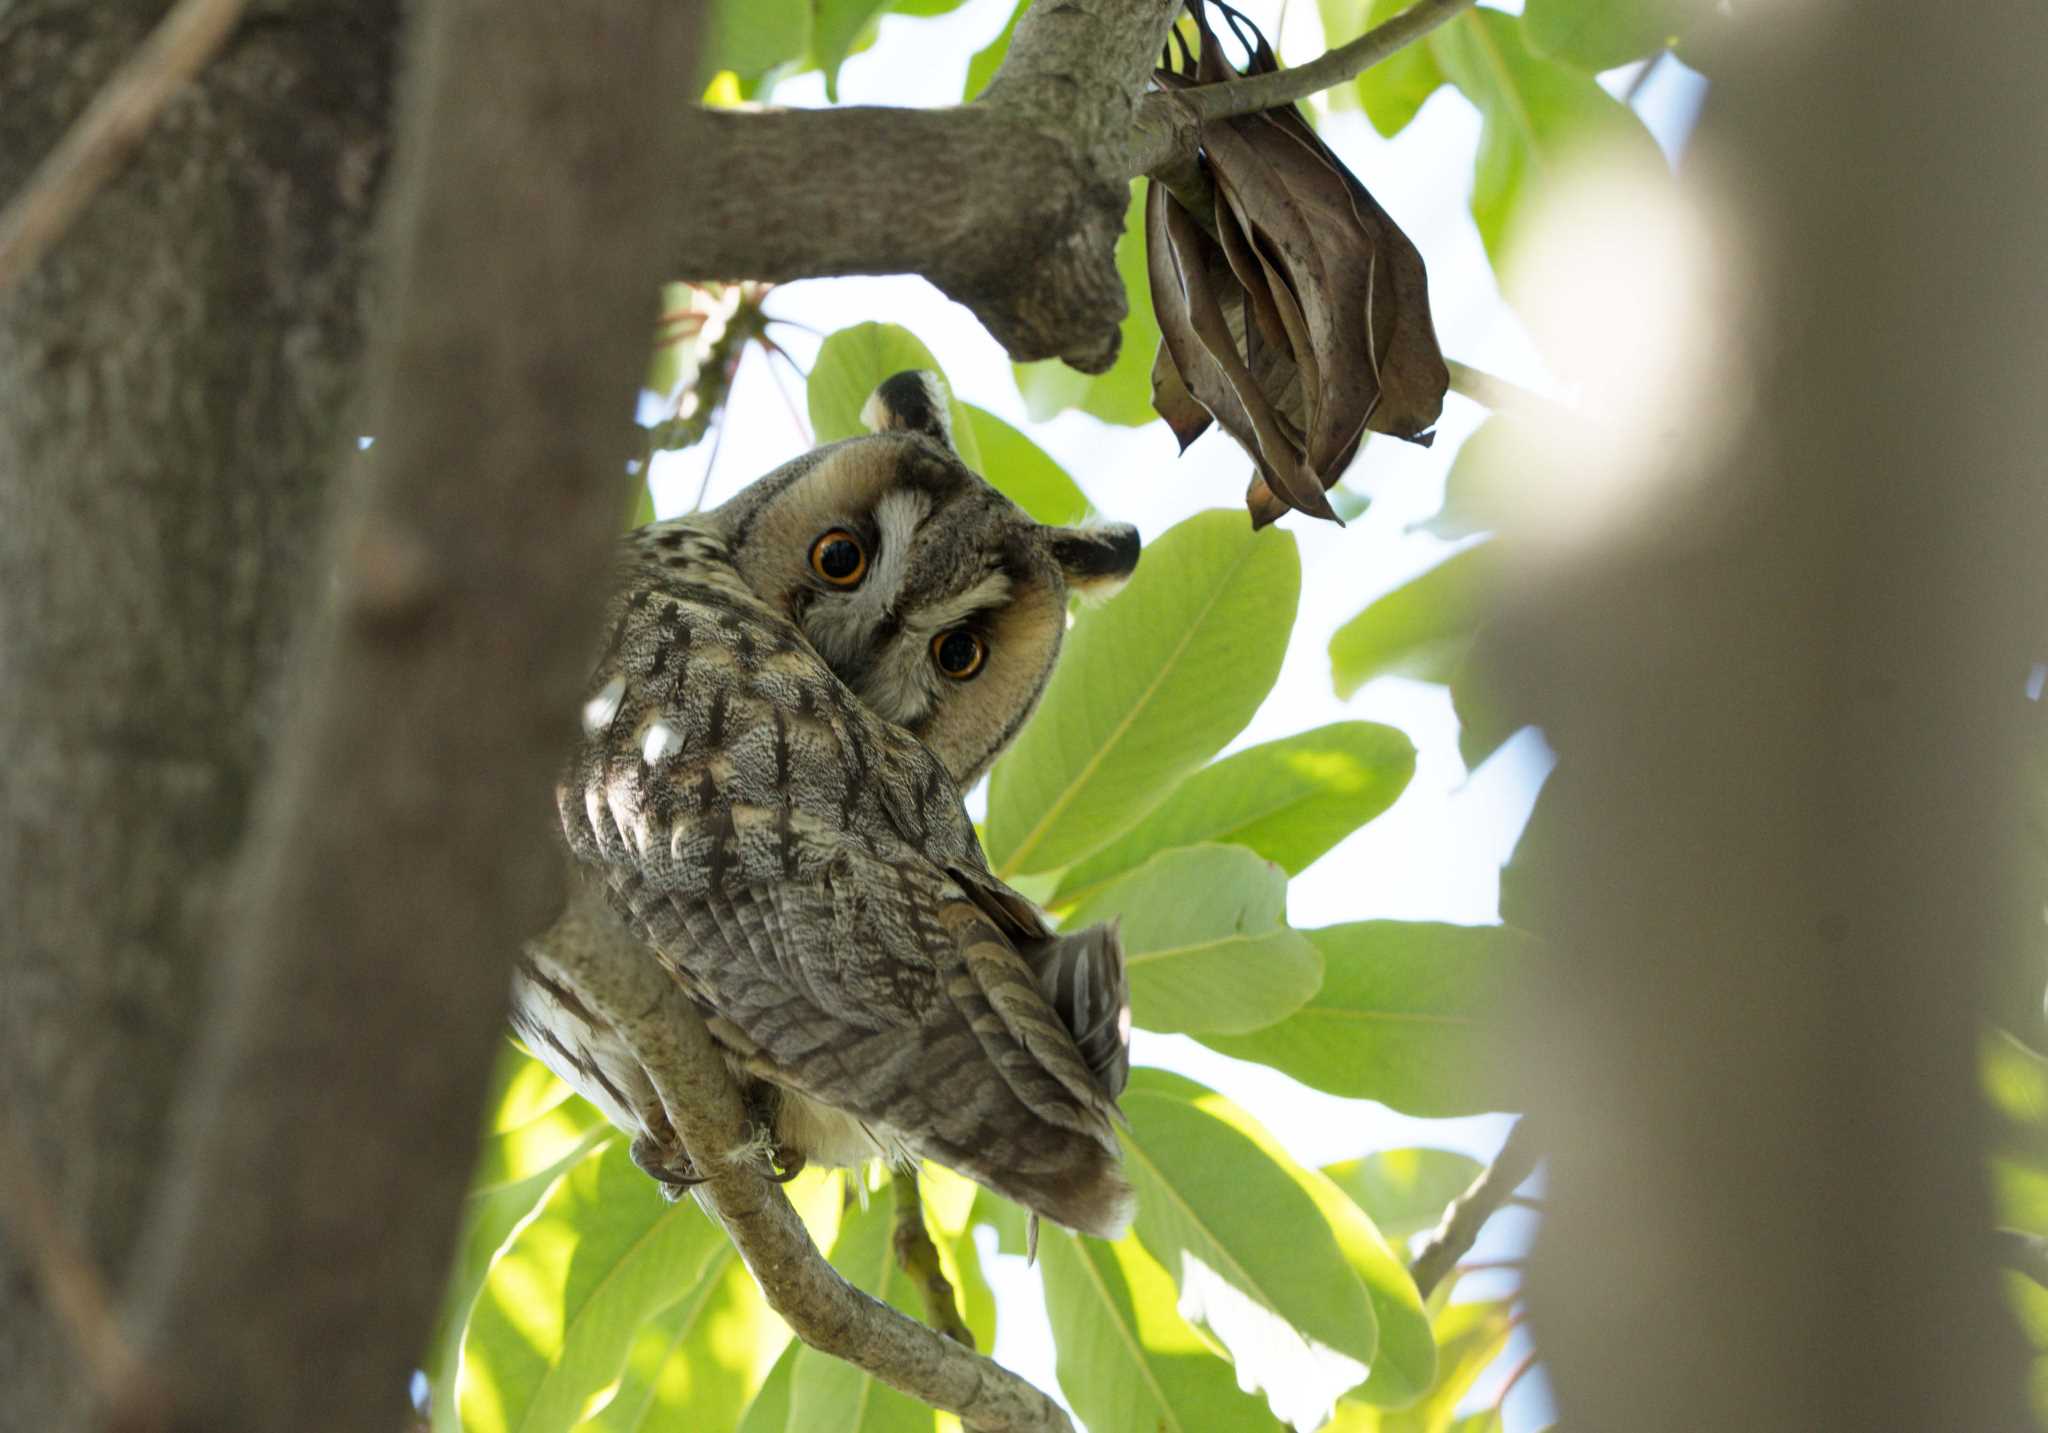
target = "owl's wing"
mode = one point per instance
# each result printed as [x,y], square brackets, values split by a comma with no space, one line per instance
[808,872]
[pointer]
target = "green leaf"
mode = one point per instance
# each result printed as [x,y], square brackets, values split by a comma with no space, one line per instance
[1022,471]
[853,362]
[558,1311]
[841,28]
[1393,90]
[1256,1261]
[1126,1359]
[536,1129]
[1405,1190]
[989,58]
[751,37]
[1403,1017]
[1469,1337]
[769,1412]
[1421,629]
[1598,35]
[1206,941]
[1123,394]
[829,1395]
[701,1363]
[1483,710]
[1541,118]
[1479,490]
[1153,683]
[1290,800]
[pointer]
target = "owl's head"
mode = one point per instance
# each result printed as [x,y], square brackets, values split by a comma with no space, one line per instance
[939,601]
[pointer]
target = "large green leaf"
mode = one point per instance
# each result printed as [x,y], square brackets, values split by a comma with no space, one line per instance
[1422,629]
[989,58]
[1469,1337]
[1289,800]
[1152,685]
[1123,394]
[1126,1358]
[1598,35]
[853,361]
[1023,472]
[700,1363]
[558,1311]
[1206,941]
[1540,117]
[1405,1190]
[841,28]
[534,1131]
[1256,1261]
[830,1395]
[1402,1018]
[752,37]
[769,1412]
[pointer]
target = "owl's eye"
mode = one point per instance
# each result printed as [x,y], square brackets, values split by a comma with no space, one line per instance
[838,557]
[959,653]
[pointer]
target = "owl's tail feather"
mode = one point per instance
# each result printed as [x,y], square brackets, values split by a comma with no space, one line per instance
[1082,977]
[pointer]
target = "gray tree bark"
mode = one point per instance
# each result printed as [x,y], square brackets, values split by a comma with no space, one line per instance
[1783,842]
[178,382]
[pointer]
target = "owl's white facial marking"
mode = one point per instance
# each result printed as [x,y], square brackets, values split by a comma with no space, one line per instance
[600,709]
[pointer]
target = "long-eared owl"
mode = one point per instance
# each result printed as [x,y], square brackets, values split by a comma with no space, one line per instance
[795,689]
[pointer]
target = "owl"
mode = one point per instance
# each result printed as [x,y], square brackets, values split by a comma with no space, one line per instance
[794,691]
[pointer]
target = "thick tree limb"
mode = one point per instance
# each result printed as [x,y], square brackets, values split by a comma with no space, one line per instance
[1167,122]
[401,851]
[105,135]
[1011,205]
[1466,1215]
[644,1004]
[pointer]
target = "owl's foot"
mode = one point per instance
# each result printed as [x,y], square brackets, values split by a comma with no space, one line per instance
[667,1163]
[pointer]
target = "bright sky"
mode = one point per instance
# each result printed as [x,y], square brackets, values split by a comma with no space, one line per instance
[1436,854]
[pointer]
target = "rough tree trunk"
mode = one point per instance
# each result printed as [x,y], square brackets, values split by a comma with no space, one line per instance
[174,394]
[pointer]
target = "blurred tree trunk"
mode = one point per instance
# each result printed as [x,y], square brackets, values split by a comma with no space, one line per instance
[177,379]
[1788,711]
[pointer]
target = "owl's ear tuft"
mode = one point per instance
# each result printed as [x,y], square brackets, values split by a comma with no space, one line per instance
[1096,560]
[911,402]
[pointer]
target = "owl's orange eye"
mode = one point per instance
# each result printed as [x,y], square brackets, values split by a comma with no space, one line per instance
[838,557]
[959,653]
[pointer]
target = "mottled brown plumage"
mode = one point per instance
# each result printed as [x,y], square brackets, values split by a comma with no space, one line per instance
[767,800]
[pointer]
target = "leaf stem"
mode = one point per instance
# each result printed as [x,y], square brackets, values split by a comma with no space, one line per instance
[1466,1215]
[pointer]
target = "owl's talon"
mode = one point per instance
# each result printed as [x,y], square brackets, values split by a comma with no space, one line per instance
[783,1165]
[668,1164]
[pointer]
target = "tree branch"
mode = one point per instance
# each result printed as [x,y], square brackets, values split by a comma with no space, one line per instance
[918,1257]
[1011,205]
[295,1264]
[112,125]
[1167,121]
[650,1012]
[1466,1215]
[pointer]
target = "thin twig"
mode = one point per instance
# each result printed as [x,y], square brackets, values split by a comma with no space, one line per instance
[650,1012]
[113,124]
[1466,1215]
[2024,1254]
[1165,121]
[1504,397]
[1514,1377]
[918,1257]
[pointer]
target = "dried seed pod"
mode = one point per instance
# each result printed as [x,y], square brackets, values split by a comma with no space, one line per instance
[1301,318]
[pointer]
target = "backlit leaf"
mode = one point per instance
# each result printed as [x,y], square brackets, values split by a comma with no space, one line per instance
[1126,1358]
[1405,1016]
[1023,472]
[1151,685]
[1422,629]
[1289,800]
[1405,1190]
[853,362]
[1206,941]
